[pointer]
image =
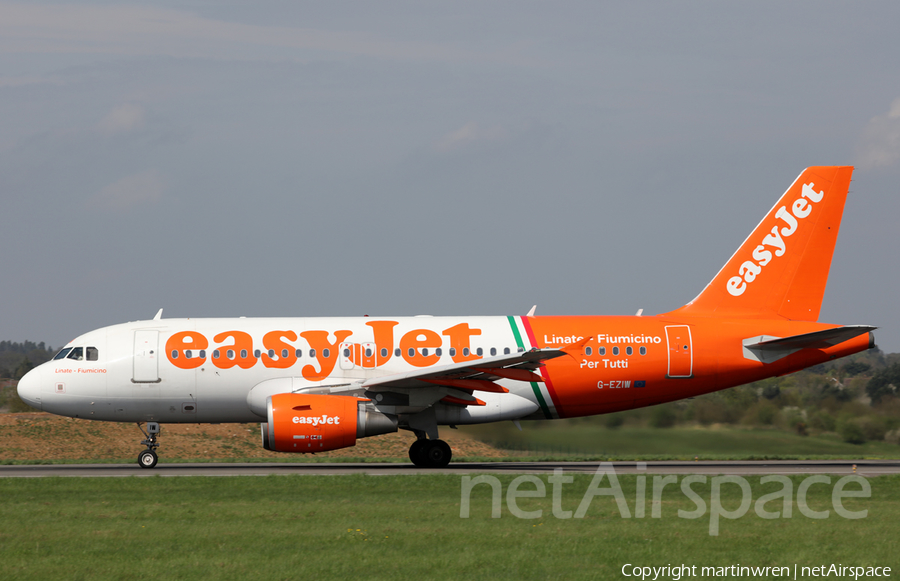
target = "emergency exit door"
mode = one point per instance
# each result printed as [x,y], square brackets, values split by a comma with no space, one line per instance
[358,355]
[681,356]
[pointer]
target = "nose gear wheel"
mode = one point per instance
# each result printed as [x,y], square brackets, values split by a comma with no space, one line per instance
[148,458]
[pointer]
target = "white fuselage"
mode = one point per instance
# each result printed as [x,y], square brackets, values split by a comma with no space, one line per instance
[136,371]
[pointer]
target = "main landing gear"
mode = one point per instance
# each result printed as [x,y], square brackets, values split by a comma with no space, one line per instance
[148,458]
[430,453]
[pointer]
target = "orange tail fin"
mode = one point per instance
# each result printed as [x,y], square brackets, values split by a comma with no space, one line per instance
[781,269]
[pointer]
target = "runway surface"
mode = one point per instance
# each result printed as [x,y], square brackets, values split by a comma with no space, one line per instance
[866,468]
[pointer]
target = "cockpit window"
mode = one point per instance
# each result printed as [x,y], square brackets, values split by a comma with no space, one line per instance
[62,353]
[77,353]
[92,354]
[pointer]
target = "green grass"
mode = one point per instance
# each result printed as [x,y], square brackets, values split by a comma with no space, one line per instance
[398,527]
[573,440]
[595,440]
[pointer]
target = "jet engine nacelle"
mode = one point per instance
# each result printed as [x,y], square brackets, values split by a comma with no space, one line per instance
[317,423]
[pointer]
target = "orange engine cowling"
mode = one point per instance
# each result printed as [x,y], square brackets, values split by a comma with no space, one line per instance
[301,422]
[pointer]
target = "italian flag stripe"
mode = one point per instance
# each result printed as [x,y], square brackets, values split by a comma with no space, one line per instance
[548,385]
[534,385]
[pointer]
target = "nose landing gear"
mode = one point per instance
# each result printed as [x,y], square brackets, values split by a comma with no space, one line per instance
[148,458]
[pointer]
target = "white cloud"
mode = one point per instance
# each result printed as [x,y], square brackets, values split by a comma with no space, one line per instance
[879,144]
[469,133]
[144,187]
[122,119]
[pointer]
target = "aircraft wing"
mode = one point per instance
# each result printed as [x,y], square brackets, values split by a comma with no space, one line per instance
[420,389]
[478,374]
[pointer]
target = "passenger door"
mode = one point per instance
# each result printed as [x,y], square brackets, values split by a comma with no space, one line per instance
[146,357]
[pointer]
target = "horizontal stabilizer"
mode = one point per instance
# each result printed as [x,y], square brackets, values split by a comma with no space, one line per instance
[769,349]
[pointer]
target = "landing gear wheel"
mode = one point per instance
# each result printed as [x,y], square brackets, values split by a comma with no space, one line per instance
[437,454]
[430,453]
[417,453]
[147,459]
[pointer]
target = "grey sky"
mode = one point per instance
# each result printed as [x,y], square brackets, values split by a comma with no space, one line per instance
[303,159]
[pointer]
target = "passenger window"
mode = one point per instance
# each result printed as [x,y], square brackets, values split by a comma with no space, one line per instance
[271,353]
[424,351]
[601,350]
[506,350]
[479,351]
[299,353]
[368,352]
[397,352]
[256,353]
[62,354]
[438,352]
[312,353]
[383,352]
[465,351]
[588,351]
[92,354]
[347,352]
[615,350]
[643,350]
[216,354]
[284,353]
[521,350]
[453,352]
[188,354]
[629,351]
[326,353]
[243,353]
[174,354]
[77,354]
[411,352]
[230,353]
[493,351]
[202,353]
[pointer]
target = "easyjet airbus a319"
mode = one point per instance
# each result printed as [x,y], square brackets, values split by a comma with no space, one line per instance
[319,384]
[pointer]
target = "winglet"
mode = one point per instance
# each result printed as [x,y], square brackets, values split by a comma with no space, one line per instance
[571,349]
[531,312]
[158,315]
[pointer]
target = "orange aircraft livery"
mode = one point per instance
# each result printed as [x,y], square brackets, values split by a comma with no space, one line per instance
[318,384]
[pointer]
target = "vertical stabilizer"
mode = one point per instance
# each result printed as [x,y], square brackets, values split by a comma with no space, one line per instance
[781,269]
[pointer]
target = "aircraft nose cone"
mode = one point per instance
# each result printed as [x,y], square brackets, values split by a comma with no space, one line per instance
[29,388]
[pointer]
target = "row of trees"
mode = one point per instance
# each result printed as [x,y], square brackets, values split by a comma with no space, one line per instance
[855,397]
[16,359]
